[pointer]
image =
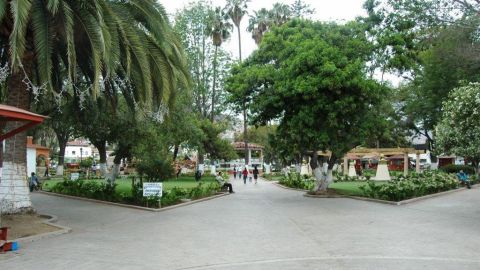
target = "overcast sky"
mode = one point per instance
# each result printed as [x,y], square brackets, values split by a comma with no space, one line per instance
[325,10]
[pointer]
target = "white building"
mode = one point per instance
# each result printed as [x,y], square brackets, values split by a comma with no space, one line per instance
[77,150]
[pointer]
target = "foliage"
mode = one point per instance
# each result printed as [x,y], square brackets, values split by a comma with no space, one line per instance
[213,144]
[414,185]
[129,40]
[458,132]
[310,77]
[295,180]
[86,162]
[262,20]
[155,168]
[452,168]
[194,24]
[340,177]
[451,60]
[89,189]
[103,191]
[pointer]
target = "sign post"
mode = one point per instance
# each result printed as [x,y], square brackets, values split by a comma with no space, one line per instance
[153,189]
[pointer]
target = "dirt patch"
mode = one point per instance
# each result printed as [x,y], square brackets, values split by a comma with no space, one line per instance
[25,225]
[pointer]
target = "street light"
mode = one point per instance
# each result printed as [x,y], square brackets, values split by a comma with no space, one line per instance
[81,154]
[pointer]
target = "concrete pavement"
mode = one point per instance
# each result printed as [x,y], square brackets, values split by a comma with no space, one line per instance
[261,227]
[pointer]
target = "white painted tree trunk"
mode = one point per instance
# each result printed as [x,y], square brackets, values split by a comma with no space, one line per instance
[324,178]
[59,170]
[14,190]
[103,169]
[114,174]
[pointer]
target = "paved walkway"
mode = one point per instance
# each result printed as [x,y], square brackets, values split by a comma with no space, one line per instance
[261,227]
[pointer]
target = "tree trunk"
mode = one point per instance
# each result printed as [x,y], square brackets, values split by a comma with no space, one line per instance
[239,44]
[324,179]
[175,152]
[61,155]
[245,134]
[115,170]
[14,191]
[102,151]
[212,117]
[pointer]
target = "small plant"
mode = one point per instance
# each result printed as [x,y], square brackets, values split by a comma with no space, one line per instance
[295,180]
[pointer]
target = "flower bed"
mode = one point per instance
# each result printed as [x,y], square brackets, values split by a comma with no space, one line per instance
[104,191]
[414,185]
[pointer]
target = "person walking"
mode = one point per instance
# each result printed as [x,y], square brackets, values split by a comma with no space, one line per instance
[224,183]
[245,175]
[234,171]
[255,174]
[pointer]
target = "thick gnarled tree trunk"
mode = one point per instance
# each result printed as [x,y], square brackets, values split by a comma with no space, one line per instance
[14,190]
[323,177]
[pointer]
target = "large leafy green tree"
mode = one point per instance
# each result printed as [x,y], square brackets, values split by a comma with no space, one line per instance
[92,40]
[310,76]
[458,132]
[453,58]
[194,26]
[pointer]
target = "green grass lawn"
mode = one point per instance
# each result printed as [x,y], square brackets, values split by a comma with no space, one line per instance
[124,185]
[349,188]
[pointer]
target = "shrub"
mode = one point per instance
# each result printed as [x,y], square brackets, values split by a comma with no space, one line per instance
[155,169]
[452,168]
[88,189]
[414,185]
[295,180]
[339,177]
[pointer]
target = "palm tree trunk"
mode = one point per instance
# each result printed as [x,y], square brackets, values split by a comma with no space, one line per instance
[212,117]
[245,139]
[245,133]
[14,191]
[239,44]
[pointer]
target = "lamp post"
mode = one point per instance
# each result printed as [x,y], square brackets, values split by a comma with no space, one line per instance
[81,154]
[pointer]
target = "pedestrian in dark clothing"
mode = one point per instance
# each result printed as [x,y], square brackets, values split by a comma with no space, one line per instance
[255,174]
[234,172]
[198,175]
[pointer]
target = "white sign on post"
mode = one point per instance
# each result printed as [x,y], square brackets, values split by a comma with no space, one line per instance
[152,189]
[74,176]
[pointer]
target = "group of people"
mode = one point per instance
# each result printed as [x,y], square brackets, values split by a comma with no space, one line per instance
[245,174]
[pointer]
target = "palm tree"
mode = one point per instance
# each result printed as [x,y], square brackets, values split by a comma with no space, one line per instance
[280,13]
[95,40]
[220,30]
[258,24]
[236,9]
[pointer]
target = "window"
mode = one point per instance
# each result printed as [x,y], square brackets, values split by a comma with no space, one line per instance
[86,153]
[73,152]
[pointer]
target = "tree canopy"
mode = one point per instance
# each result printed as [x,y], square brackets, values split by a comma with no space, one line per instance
[459,132]
[310,76]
